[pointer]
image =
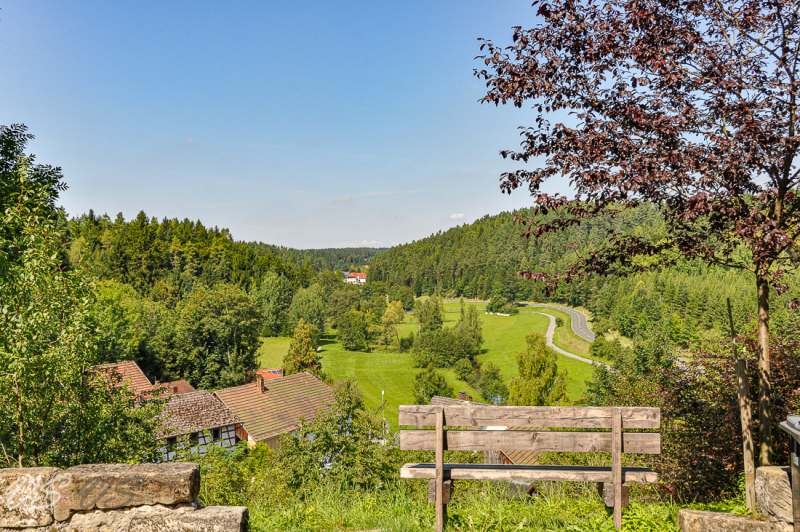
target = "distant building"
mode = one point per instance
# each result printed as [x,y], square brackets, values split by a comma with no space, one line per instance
[269,374]
[356,278]
[271,408]
[193,421]
[128,373]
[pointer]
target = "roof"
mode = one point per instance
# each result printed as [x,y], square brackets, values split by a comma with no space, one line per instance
[444,401]
[269,374]
[358,275]
[129,374]
[194,412]
[181,385]
[280,407]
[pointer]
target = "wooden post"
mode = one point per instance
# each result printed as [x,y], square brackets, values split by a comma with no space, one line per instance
[743,387]
[440,470]
[795,484]
[616,465]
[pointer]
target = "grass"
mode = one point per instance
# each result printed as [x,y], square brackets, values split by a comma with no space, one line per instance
[272,351]
[394,373]
[479,507]
[564,337]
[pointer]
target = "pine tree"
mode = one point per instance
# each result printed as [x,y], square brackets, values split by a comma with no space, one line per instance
[301,356]
[539,382]
[428,383]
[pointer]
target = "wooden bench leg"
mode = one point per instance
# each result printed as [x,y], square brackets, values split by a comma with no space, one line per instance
[616,465]
[440,508]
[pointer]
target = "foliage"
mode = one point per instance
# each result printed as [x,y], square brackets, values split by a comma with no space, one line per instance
[428,383]
[443,348]
[338,446]
[352,327]
[430,314]
[539,382]
[301,356]
[392,317]
[500,305]
[464,370]
[273,297]
[216,338]
[403,294]
[55,409]
[469,324]
[308,304]
[491,384]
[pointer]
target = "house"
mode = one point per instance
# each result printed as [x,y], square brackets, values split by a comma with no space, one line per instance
[190,422]
[127,373]
[356,278]
[271,408]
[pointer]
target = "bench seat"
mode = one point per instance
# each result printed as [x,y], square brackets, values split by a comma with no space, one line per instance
[643,475]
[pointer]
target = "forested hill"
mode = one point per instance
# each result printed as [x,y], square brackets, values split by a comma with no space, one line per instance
[344,259]
[481,260]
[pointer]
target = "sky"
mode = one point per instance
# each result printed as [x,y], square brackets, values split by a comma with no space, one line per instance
[302,124]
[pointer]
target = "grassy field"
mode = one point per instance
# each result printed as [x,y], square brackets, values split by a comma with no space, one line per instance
[394,373]
[272,351]
[565,337]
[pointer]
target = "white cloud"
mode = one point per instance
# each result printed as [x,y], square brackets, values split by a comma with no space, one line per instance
[346,198]
[456,216]
[370,242]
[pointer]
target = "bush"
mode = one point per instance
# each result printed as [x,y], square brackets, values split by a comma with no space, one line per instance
[407,342]
[443,348]
[428,383]
[500,305]
[701,456]
[464,370]
[491,384]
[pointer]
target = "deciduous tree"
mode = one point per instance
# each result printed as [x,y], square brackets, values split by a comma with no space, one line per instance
[539,382]
[691,105]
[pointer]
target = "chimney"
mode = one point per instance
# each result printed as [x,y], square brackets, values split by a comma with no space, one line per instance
[260,381]
[462,396]
[157,383]
[173,389]
[469,398]
[283,372]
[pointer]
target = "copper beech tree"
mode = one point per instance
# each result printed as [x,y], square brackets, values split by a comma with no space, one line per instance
[688,104]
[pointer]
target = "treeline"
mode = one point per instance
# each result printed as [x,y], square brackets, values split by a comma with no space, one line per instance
[481,260]
[333,259]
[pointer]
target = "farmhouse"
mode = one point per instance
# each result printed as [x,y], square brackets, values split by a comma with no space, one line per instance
[127,373]
[193,421]
[271,408]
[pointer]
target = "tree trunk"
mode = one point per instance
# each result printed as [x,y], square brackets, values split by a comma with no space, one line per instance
[764,383]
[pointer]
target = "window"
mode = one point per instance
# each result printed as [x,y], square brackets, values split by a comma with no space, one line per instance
[172,442]
[215,434]
[194,438]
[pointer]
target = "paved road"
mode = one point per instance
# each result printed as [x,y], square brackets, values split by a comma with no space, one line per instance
[580,325]
[551,330]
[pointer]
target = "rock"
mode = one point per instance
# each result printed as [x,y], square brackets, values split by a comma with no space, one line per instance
[116,486]
[698,521]
[774,493]
[152,519]
[26,496]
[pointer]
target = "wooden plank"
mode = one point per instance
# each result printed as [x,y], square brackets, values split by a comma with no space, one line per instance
[440,470]
[616,466]
[514,472]
[795,484]
[530,416]
[520,440]
[448,486]
[607,494]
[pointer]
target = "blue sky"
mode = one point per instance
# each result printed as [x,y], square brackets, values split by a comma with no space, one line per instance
[306,124]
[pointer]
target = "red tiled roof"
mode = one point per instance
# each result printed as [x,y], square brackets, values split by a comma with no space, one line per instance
[181,385]
[193,412]
[280,407]
[269,374]
[127,373]
[358,275]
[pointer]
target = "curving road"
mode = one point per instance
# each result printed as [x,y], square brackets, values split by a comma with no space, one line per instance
[580,324]
[551,330]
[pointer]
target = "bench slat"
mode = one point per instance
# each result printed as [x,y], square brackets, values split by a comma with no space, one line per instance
[530,416]
[518,440]
[513,472]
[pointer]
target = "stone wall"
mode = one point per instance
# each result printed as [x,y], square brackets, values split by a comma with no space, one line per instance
[111,497]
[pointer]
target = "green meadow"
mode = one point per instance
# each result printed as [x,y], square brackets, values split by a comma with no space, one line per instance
[394,373]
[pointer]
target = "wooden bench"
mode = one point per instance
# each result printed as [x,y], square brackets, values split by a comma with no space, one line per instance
[614,441]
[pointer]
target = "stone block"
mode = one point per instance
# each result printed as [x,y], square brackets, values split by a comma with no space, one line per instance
[26,498]
[116,486]
[774,493]
[699,521]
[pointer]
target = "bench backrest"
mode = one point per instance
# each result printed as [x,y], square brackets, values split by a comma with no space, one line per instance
[478,416]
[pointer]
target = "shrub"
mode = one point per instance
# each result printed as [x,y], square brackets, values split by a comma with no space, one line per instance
[464,370]
[491,384]
[501,305]
[539,382]
[443,348]
[428,383]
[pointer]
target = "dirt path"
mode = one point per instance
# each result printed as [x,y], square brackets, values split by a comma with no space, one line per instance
[551,330]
